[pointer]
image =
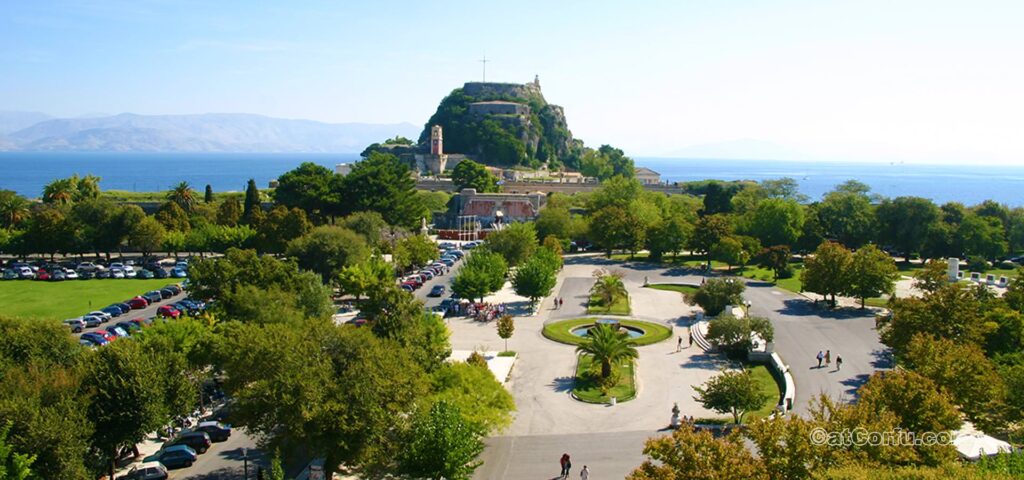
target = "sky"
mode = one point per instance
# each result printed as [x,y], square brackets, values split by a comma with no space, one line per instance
[903,81]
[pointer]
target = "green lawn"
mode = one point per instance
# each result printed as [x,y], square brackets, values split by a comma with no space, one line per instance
[561,332]
[669,260]
[619,307]
[67,299]
[684,289]
[129,196]
[769,386]
[792,284]
[588,390]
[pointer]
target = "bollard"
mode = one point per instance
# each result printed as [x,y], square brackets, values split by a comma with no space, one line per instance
[613,401]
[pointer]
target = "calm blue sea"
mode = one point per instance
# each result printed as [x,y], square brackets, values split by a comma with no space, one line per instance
[26,173]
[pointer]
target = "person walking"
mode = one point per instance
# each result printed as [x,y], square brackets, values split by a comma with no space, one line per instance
[679,344]
[690,333]
[828,357]
[821,356]
[839,362]
[564,461]
[585,473]
[568,466]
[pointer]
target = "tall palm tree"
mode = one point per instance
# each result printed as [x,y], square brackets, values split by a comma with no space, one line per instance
[60,191]
[608,288]
[184,196]
[608,346]
[87,188]
[13,208]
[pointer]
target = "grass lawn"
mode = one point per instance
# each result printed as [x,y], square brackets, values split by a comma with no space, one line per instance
[669,260]
[67,299]
[792,284]
[619,307]
[764,378]
[561,332]
[588,390]
[684,289]
[129,196]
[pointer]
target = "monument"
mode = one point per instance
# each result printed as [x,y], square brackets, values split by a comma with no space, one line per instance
[954,269]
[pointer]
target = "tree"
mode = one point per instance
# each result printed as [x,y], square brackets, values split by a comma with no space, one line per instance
[612,227]
[208,194]
[396,315]
[482,399]
[183,195]
[13,465]
[414,251]
[715,294]
[229,212]
[506,326]
[717,198]
[280,227]
[49,231]
[147,236]
[442,444]
[777,260]
[669,235]
[173,217]
[730,251]
[307,187]
[846,216]
[688,454]
[982,236]
[950,312]
[915,399]
[872,273]
[932,277]
[252,199]
[516,242]
[904,223]
[61,191]
[776,221]
[554,221]
[708,231]
[534,280]
[608,289]
[736,335]
[13,209]
[607,346]
[785,448]
[827,271]
[327,249]
[469,174]
[732,392]
[368,224]
[483,273]
[383,184]
[366,276]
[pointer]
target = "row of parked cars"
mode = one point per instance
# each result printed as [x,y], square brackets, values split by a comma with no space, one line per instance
[181,451]
[16,270]
[435,269]
[120,329]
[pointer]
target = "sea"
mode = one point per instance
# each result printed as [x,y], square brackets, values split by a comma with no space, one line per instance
[27,173]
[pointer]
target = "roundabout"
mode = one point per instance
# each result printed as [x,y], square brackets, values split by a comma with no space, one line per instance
[574,331]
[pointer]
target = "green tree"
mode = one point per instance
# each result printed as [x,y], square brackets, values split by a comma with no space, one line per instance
[147,236]
[49,231]
[777,260]
[442,444]
[708,231]
[483,273]
[730,251]
[982,236]
[785,448]
[61,191]
[366,276]
[933,276]
[534,280]
[904,223]
[252,199]
[208,194]
[715,294]
[517,242]
[736,335]
[414,251]
[827,271]
[13,465]
[718,198]
[950,312]
[689,454]
[915,399]
[13,209]
[469,174]
[608,289]
[173,217]
[229,212]
[482,399]
[872,273]
[183,195]
[368,224]
[506,327]
[307,187]
[327,249]
[846,216]
[607,346]
[669,235]
[383,184]
[280,227]
[554,221]
[732,392]
[776,221]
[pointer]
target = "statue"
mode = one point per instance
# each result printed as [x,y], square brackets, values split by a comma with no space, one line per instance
[423,226]
[675,415]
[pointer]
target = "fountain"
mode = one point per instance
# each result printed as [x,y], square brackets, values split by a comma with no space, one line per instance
[633,332]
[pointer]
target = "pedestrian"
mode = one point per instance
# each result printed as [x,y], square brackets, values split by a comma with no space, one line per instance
[564,461]
[821,356]
[679,344]
[828,357]
[839,362]
[568,466]
[585,473]
[691,336]
[561,302]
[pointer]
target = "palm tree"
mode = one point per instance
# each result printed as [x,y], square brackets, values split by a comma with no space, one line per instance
[184,196]
[607,346]
[87,188]
[60,191]
[13,208]
[607,289]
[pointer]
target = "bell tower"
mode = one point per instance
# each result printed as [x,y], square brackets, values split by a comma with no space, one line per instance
[436,140]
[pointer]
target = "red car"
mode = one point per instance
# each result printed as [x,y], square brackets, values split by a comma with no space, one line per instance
[168,311]
[137,303]
[107,335]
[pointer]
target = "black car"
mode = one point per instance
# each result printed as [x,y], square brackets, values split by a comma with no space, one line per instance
[103,274]
[217,431]
[160,273]
[198,441]
[58,275]
[437,291]
[166,293]
[173,287]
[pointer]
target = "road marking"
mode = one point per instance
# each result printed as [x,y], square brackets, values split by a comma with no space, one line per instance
[776,292]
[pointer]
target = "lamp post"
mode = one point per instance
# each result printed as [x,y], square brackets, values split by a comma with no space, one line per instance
[245,462]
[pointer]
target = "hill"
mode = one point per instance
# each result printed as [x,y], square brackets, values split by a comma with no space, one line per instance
[505,124]
[14,121]
[197,133]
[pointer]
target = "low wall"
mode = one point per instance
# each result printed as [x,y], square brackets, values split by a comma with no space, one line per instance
[781,373]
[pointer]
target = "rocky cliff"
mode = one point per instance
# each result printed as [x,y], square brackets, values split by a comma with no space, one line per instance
[530,137]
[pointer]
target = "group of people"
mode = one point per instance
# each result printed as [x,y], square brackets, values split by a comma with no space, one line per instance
[679,344]
[566,463]
[826,356]
[485,312]
[558,301]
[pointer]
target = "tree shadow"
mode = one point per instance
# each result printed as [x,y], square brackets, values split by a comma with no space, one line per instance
[882,359]
[563,384]
[703,362]
[806,308]
[854,383]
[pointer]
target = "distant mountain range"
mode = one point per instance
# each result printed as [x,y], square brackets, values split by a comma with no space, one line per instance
[215,132]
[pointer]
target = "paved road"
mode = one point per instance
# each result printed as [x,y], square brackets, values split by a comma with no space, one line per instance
[148,312]
[224,460]
[607,455]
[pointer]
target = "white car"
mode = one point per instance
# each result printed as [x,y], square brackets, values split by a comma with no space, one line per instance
[87,267]
[92,320]
[116,273]
[129,271]
[104,315]
[70,274]
[117,265]
[147,471]
[75,324]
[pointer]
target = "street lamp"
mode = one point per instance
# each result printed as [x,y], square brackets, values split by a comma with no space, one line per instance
[245,462]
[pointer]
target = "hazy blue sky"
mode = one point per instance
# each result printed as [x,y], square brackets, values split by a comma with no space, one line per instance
[877,80]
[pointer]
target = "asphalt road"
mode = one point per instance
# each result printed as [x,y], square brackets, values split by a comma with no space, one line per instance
[224,460]
[148,312]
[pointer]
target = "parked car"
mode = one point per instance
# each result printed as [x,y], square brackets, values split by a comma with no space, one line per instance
[112,311]
[168,311]
[179,272]
[166,293]
[140,323]
[104,315]
[25,273]
[198,441]
[144,274]
[448,261]
[75,324]
[70,274]
[86,275]
[116,273]
[153,296]
[147,471]
[426,275]
[129,327]
[42,275]
[88,267]
[176,456]
[110,337]
[95,338]
[137,303]
[104,274]
[124,307]
[407,287]
[160,273]
[10,274]
[175,287]
[92,320]
[117,331]
[217,431]
[437,291]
